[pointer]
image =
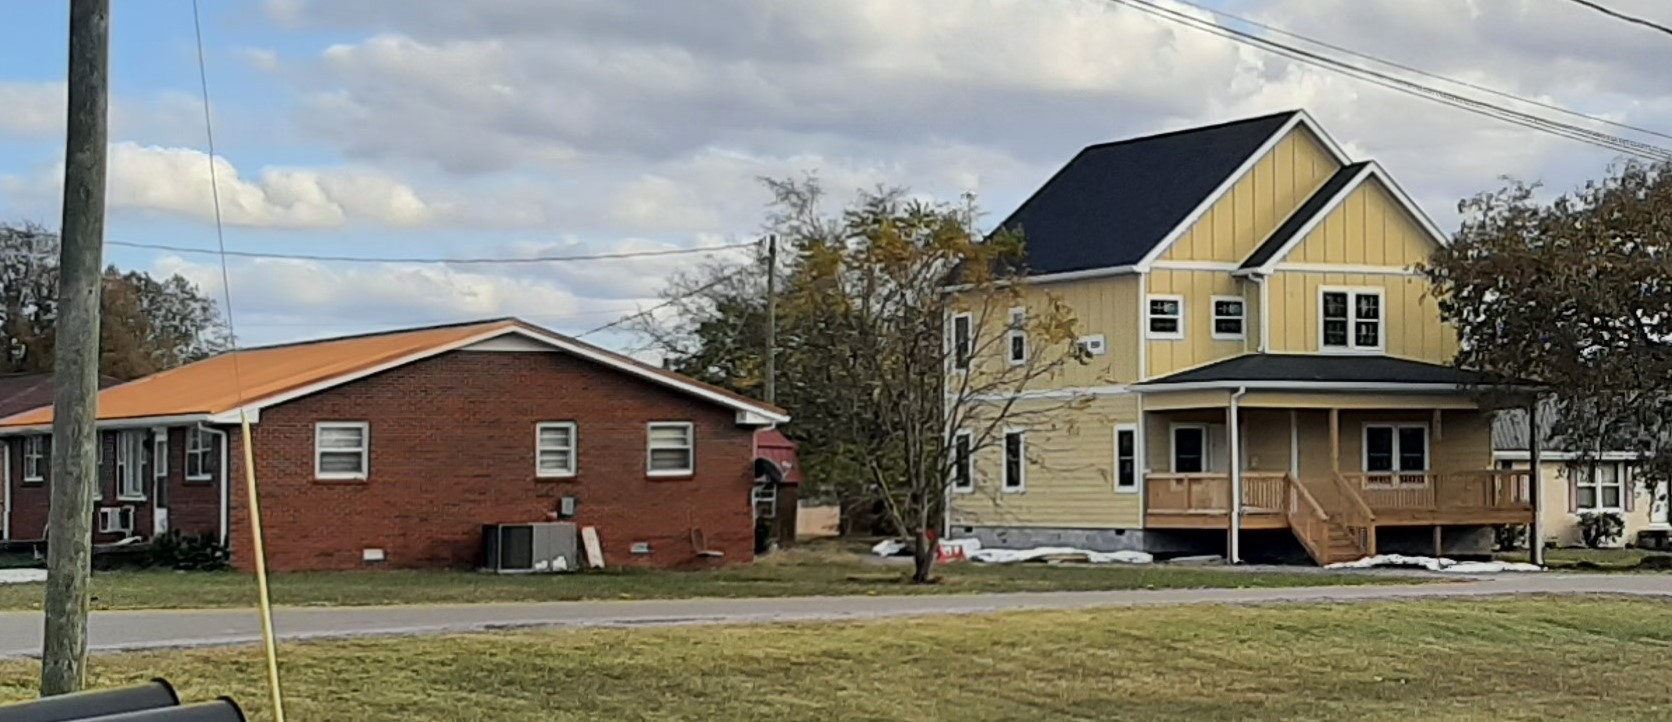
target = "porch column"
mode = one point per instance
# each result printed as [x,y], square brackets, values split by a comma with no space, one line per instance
[1294,444]
[1234,430]
[1335,440]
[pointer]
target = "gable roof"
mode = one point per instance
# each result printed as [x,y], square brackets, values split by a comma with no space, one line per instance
[215,389]
[1509,433]
[1115,203]
[24,391]
[1308,214]
[1269,370]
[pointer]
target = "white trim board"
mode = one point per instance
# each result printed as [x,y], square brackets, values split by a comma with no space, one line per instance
[1371,170]
[1522,455]
[1301,119]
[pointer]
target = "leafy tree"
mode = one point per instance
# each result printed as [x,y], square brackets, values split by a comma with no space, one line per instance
[1575,293]
[147,324]
[866,351]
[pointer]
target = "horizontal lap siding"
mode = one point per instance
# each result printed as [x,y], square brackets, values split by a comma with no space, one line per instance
[452,448]
[1070,476]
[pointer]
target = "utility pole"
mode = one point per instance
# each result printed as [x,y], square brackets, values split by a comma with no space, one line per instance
[75,441]
[771,391]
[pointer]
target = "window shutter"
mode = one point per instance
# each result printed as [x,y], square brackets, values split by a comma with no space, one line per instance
[1573,489]
[1628,488]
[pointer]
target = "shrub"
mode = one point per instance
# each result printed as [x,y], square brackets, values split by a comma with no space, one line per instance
[1509,537]
[1601,528]
[197,553]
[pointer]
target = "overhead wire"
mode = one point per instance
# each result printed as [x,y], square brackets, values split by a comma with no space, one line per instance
[477,260]
[666,302]
[259,552]
[1597,138]
[1633,19]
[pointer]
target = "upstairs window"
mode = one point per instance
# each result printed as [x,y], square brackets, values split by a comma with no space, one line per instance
[1016,339]
[342,450]
[1166,317]
[1351,320]
[34,459]
[1228,318]
[961,342]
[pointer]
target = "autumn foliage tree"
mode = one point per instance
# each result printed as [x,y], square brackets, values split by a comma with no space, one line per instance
[1575,293]
[148,324]
[868,365]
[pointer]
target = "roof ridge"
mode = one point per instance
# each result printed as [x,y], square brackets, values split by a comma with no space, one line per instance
[374,334]
[1192,129]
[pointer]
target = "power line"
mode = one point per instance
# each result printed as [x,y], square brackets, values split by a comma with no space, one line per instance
[428,259]
[1622,16]
[669,302]
[1585,135]
[1418,71]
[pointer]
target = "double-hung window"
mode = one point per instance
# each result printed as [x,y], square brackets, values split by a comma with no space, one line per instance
[1016,338]
[342,450]
[200,454]
[1599,486]
[963,472]
[34,459]
[1396,453]
[1351,320]
[1165,317]
[672,449]
[961,342]
[1228,318]
[1126,457]
[1015,461]
[130,465]
[555,449]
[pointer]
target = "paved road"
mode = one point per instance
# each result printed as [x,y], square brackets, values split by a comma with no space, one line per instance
[20,632]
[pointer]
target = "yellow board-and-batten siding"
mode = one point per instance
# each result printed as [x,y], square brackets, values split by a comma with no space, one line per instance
[1259,202]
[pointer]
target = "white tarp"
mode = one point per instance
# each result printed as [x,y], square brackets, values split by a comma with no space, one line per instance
[1011,556]
[888,548]
[1436,564]
[22,576]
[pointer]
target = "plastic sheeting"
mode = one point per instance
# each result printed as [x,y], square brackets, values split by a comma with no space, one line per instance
[1435,564]
[1059,554]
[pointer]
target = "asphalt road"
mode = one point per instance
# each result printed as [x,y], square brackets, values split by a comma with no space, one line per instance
[20,632]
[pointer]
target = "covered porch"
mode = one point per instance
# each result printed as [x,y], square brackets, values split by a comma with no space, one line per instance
[1333,465]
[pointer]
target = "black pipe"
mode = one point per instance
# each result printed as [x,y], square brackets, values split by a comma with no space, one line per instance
[220,710]
[156,694]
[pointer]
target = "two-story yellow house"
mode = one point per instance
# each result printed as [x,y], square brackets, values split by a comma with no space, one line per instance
[1260,342]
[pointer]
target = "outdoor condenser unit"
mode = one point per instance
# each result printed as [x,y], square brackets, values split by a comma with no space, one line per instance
[531,548]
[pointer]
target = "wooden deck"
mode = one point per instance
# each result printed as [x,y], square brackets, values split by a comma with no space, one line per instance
[1336,518]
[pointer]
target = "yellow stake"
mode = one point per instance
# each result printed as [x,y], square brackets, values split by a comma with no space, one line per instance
[261,570]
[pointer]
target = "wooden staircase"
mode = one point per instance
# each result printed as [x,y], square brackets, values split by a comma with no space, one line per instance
[1347,534]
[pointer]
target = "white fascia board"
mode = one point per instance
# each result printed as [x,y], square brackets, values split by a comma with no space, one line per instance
[1299,386]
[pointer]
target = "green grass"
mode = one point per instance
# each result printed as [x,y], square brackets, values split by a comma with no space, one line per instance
[1605,560]
[1523,659]
[817,571]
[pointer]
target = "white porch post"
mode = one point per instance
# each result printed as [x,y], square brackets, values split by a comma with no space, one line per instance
[1234,546]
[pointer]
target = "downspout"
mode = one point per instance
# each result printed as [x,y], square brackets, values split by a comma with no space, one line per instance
[1235,545]
[1265,313]
[226,501]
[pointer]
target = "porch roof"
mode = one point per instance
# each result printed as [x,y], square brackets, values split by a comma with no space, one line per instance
[1302,371]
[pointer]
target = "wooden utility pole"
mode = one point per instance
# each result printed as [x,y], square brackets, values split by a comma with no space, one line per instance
[1535,484]
[75,441]
[771,383]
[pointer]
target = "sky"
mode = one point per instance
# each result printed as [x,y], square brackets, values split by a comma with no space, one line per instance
[515,128]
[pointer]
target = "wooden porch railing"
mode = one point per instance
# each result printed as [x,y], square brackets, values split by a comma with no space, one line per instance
[1356,516]
[1307,519]
[1435,491]
[1262,492]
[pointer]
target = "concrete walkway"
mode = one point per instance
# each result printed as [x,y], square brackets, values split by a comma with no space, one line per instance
[20,632]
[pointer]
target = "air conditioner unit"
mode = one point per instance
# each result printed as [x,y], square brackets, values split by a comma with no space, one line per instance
[531,548]
[116,519]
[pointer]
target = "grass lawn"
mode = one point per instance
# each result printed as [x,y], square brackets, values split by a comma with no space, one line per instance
[1524,659]
[816,571]
[1607,560]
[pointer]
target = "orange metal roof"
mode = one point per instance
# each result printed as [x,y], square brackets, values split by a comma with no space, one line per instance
[211,386]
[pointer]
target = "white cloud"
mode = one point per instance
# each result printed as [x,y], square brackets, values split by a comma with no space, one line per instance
[261,58]
[32,110]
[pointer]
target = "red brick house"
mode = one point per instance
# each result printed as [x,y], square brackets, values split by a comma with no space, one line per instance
[394,449]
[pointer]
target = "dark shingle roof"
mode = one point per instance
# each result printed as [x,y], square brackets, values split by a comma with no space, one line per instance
[1114,202]
[1338,369]
[1303,215]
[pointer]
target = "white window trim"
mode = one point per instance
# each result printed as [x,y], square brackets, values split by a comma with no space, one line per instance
[1017,328]
[159,453]
[1352,346]
[365,451]
[969,460]
[952,342]
[1004,462]
[1427,447]
[1214,319]
[38,454]
[205,452]
[540,448]
[137,438]
[1137,460]
[1621,477]
[691,439]
[1172,447]
[1183,314]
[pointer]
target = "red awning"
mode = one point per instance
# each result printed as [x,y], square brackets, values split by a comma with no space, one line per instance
[771,445]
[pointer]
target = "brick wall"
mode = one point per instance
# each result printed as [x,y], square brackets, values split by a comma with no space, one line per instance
[194,507]
[452,447]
